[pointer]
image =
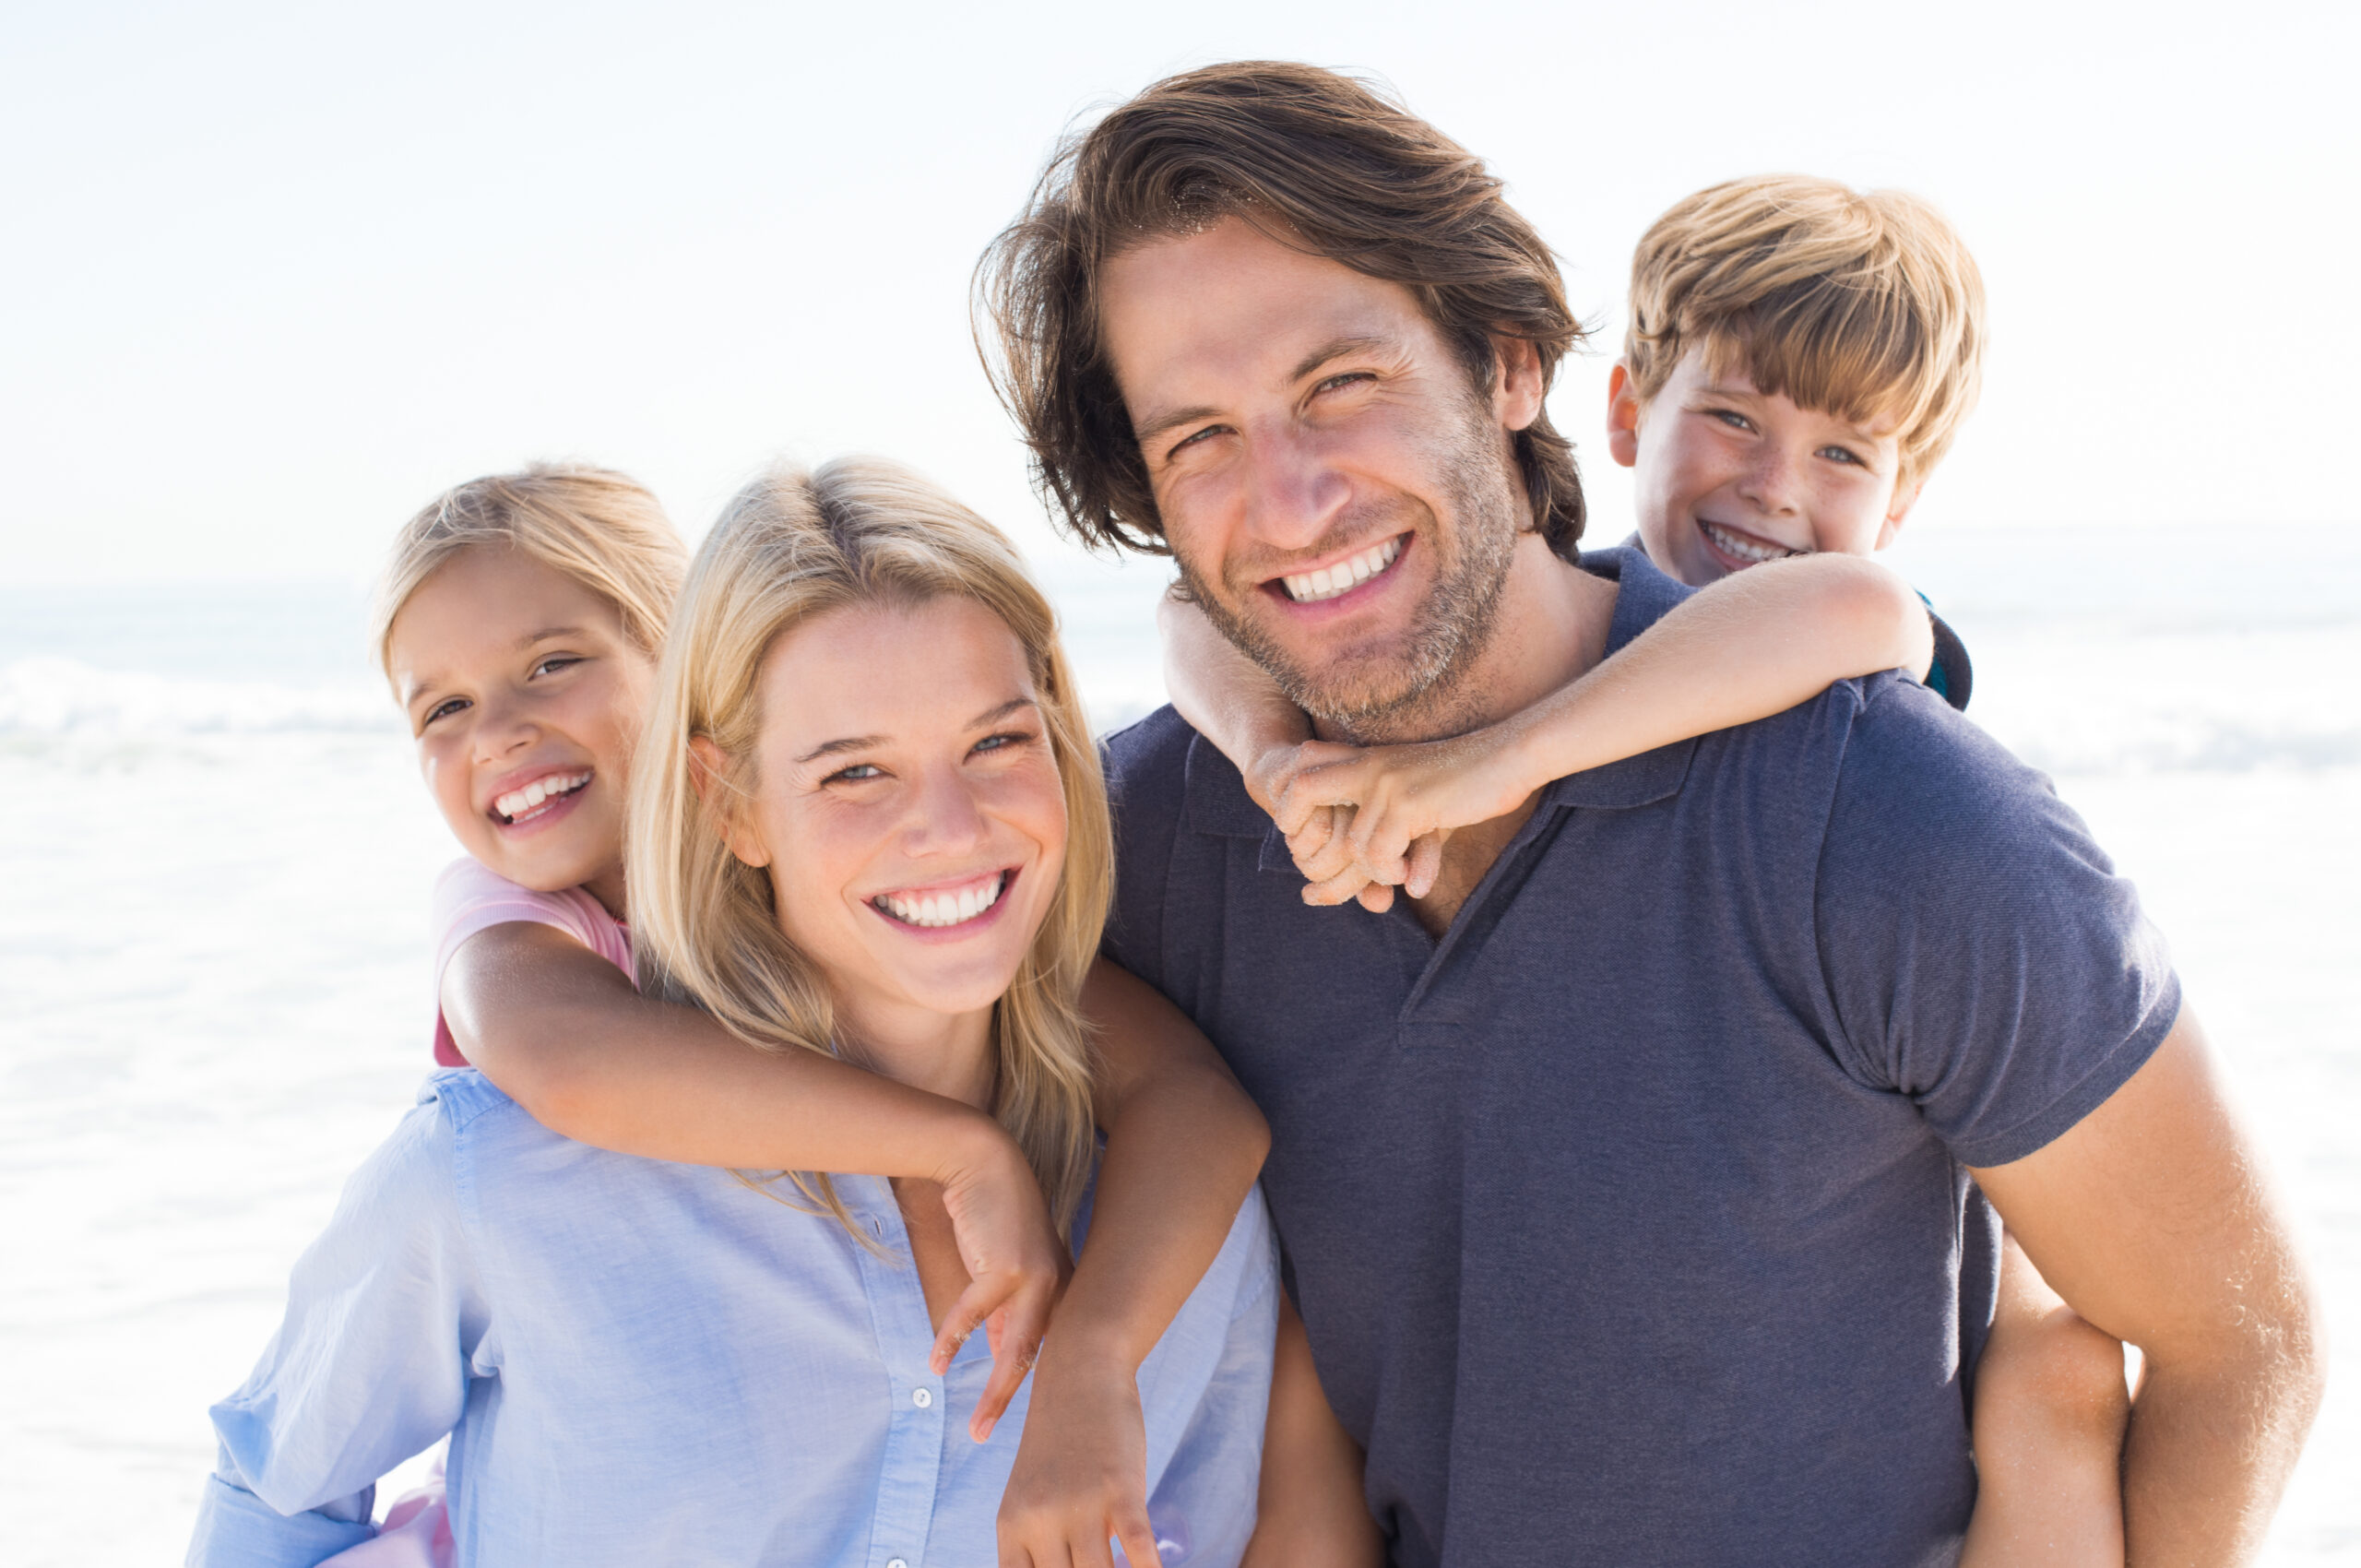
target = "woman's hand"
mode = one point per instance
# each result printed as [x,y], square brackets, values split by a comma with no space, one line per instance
[1080,1472]
[1017,1265]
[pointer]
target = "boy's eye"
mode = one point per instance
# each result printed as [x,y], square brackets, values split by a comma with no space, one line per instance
[1732,417]
[443,709]
[1841,454]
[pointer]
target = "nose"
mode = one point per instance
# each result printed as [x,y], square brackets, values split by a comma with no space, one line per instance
[503,726]
[1772,480]
[1293,493]
[946,819]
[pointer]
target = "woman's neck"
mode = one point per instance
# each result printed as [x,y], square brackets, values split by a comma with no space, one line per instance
[945,1053]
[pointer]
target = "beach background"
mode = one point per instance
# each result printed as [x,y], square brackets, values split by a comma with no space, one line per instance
[277,277]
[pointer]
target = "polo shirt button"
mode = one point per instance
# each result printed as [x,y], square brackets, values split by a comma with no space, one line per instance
[921,1398]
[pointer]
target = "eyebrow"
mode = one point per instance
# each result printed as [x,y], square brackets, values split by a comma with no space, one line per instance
[859,743]
[547,633]
[1335,348]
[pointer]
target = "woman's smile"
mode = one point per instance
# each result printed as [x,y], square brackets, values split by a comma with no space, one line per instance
[947,907]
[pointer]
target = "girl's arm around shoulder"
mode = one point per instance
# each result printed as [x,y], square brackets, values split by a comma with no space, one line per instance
[567,1036]
[1749,647]
[1184,1145]
[369,1366]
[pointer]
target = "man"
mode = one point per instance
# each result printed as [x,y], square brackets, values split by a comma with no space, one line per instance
[1623,1178]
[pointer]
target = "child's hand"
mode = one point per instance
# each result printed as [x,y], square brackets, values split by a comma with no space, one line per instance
[1017,1269]
[1081,1471]
[1268,778]
[1403,801]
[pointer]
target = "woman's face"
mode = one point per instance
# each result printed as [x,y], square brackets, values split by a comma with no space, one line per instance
[906,806]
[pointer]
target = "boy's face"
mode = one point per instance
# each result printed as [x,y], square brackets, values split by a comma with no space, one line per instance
[1728,477]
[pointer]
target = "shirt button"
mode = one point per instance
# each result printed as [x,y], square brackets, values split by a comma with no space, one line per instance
[896,1562]
[921,1398]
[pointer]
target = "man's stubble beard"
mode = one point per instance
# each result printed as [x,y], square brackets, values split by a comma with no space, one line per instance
[1421,692]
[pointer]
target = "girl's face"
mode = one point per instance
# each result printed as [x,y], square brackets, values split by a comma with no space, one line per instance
[908,806]
[525,695]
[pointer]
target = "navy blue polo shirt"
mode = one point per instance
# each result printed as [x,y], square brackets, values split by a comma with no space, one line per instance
[1630,1221]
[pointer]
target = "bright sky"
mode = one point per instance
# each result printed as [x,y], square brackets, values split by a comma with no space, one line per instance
[275,274]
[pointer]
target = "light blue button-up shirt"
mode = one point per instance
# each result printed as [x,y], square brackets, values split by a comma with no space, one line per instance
[644,1363]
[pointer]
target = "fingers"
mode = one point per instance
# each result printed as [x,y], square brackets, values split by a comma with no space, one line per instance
[1426,863]
[1330,784]
[1136,1533]
[1376,897]
[982,1298]
[1015,1348]
[1334,854]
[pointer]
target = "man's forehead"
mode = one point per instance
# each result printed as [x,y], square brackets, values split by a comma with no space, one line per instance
[1195,314]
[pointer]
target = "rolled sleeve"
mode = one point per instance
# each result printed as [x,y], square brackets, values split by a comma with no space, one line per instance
[368,1368]
[1982,953]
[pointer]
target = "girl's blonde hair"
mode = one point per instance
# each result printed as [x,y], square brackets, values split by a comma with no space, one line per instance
[791,546]
[600,528]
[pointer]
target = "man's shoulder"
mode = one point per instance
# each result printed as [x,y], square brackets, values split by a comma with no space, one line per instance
[1150,754]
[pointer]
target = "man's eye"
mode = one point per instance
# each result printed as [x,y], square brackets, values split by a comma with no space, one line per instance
[1345,379]
[1191,439]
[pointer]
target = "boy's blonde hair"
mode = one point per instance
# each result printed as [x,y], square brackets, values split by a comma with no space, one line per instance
[790,547]
[1863,305]
[600,528]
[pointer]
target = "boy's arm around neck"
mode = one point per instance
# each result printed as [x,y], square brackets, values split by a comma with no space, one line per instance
[1229,699]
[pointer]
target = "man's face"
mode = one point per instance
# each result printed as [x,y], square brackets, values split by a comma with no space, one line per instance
[1341,499]
[1727,477]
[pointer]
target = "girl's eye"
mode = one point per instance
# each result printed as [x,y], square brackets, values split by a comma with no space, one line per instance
[859,772]
[555,662]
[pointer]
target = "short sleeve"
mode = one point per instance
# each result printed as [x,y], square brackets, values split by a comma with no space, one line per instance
[468,898]
[1981,952]
[1147,783]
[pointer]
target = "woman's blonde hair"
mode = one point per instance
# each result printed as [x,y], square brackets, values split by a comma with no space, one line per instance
[1860,303]
[791,546]
[600,528]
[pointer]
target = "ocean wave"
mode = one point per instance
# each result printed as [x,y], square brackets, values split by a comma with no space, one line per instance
[63,698]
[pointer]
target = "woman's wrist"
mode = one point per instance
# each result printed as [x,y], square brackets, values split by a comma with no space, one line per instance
[971,1147]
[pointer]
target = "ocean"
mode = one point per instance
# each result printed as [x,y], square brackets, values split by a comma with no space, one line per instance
[214,861]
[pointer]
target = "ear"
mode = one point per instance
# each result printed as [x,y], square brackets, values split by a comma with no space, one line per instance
[1905,497]
[1623,411]
[1517,391]
[709,775]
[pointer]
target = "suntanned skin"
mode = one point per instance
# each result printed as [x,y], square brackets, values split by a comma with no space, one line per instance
[1270,455]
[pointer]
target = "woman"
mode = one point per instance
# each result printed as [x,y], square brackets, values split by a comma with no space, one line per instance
[866,819]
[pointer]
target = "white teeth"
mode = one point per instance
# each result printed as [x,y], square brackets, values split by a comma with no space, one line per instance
[936,910]
[1310,588]
[1746,549]
[517,802]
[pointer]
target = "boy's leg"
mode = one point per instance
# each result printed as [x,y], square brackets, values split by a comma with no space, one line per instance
[2051,1405]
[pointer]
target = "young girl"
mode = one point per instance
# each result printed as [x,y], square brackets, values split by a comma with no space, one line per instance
[643,1362]
[519,622]
[2050,1403]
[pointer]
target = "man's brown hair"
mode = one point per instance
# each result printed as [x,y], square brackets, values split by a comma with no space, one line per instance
[1320,161]
[1864,306]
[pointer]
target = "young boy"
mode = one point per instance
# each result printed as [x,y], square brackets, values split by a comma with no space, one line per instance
[1800,357]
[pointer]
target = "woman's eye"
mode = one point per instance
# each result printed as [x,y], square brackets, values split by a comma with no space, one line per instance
[1003,741]
[859,772]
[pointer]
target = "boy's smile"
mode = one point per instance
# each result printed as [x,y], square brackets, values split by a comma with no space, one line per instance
[1728,477]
